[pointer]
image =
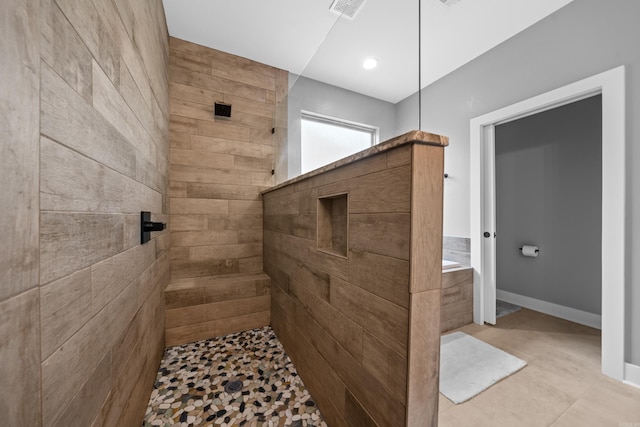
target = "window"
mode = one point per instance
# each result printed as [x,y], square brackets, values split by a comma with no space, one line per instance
[327,139]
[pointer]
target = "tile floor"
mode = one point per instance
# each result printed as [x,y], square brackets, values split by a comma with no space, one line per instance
[561,386]
[243,379]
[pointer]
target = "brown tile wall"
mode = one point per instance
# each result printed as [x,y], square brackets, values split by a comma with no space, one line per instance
[205,307]
[85,95]
[19,295]
[347,321]
[219,166]
[457,298]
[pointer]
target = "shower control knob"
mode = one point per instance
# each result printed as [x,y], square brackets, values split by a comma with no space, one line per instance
[487,234]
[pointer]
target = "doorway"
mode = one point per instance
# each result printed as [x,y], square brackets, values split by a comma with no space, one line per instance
[549,195]
[610,85]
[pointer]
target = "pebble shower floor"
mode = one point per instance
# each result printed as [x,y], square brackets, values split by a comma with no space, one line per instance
[243,379]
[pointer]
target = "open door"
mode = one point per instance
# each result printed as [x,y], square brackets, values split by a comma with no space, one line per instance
[489,224]
[483,221]
[611,84]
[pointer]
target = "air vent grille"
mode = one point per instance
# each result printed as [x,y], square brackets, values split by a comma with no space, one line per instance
[347,8]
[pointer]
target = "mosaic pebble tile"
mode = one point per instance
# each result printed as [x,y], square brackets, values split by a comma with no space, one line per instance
[243,379]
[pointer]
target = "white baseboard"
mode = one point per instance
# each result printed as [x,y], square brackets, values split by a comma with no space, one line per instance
[567,313]
[632,374]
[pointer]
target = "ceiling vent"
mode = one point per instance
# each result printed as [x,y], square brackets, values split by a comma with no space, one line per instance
[449,2]
[347,8]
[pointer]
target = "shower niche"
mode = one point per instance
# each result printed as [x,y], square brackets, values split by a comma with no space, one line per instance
[333,224]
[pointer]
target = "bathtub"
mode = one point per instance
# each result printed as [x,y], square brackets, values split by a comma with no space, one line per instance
[447,265]
[457,295]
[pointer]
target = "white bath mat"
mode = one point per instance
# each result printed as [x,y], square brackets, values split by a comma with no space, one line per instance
[469,366]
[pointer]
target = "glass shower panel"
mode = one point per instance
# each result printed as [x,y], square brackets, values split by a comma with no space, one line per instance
[362,77]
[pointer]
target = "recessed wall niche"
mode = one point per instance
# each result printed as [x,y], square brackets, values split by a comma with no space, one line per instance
[333,224]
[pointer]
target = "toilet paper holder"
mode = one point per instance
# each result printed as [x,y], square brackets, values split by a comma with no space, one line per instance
[520,249]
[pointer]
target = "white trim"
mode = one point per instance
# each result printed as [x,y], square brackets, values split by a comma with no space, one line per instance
[556,310]
[632,374]
[611,84]
[337,121]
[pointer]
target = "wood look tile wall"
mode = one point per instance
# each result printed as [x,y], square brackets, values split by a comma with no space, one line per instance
[85,146]
[19,296]
[363,330]
[457,298]
[219,166]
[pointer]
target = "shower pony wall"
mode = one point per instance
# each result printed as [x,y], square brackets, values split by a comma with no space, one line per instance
[354,253]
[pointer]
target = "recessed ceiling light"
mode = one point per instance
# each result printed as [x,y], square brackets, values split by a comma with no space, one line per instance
[370,63]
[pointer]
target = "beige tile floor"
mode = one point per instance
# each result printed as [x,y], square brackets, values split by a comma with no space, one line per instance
[561,386]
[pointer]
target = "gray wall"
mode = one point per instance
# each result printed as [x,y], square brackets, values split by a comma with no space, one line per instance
[549,193]
[584,38]
[317,97]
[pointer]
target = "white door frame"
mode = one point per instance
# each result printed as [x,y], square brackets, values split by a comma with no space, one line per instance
[611,84]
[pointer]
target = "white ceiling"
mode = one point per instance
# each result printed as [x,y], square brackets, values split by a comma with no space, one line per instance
[303,37]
